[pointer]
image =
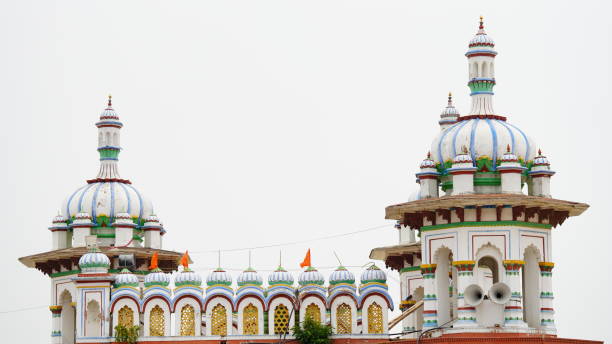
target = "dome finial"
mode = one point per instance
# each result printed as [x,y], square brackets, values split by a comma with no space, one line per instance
[539,151]
[464,149]
[481,27]
[429,155]
[508,148]
[450,99]
[110,100]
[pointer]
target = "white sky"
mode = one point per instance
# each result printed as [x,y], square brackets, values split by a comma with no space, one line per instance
[257,122]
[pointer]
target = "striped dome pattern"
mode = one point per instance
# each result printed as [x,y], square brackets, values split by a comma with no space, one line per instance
[107,199]
[311,276]
[280,276]
[373,274]
[187,277]
[125,278]
[341,275]
[249,277]
[484,137]
[94,261]
[157,277]
[219,276]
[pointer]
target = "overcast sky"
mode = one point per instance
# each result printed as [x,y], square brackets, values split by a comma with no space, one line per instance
[260,122]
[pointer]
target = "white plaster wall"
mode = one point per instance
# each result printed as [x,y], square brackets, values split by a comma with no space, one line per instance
[309,300]
[278,301]
[118,305]
[228,308]
[334,310]
[123,235]
[152,239]
[385,311]
[463,184]
[197,314]
[260,311]
[147,315]
[511,183]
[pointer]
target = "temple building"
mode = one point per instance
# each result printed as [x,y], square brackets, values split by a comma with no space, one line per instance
[474,252]
[484,214]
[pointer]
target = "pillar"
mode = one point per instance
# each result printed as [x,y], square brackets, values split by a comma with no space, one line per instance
[466,314]
[547,312]
[430,306]
[56,324]
[513,312]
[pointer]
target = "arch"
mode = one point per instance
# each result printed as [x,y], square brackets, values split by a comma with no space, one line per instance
[531,286]
[344,319]
[487,271]
[187,321]
[177,301]
[375,318]
[282,295]
[273,324]
[125,316]
[383,321]
[247,295]
[250,320]
[334,296]
[123,298]
[281,319]
[157,322]
[93,319]
[443,259]
[311,306]
[68,317]
[219,321]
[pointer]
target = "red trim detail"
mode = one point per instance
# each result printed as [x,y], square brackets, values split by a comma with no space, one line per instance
[546,309]
[108,126]
[514,307]
[428,177]
[125,297]
[222,296]
[185,296]
[238,302]
[544,175]
[487,235]
[466,308]
[152,229]
[465,118]
[479,54]
[514,170]
[144,306]
[454,173]
[430,241]
[430,312]
[291,299]
[106,180]
[341,294]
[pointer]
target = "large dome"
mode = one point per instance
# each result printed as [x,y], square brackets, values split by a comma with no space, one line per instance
[483,137]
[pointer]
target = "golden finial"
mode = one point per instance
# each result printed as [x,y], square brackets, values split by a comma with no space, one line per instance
[481,23]
[110,100]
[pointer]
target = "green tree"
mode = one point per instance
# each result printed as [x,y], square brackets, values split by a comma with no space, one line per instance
[126,334]
[312,332]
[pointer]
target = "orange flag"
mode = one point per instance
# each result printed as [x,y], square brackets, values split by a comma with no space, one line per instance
[306,261]
[153,261]
[185,260]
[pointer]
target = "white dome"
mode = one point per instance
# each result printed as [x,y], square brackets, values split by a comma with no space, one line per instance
[126,278]
[280,276]
[483,137]
[341,275]
[187,276]
[311,276]
[373,274]
[157,277]
[94,261]
[219,276]
[249,276]
[107,199]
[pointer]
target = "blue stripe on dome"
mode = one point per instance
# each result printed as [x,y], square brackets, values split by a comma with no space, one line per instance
[472,135]
[526,140]
[112,212]
[139,200]
[494,135]
[81,197]
[440,158]
[127,194]
[455,137]
[93,203]
[70,200]
[509,132]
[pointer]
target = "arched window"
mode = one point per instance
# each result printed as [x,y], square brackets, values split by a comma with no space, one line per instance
[187,321]
[219,321]
[375,318]
[344,319]
[126,316]
[108,139]
[68,315]
[157,322]
[250,320]
[93,320]
[485,70]
[313,312]
[281,319]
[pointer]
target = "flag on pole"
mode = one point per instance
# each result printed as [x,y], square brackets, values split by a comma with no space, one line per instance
[185,260]
[153,265]
[306,261]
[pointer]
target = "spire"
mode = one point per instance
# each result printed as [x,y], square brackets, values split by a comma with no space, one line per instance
[481,62]
[449,114]
[481,27]
[109,137]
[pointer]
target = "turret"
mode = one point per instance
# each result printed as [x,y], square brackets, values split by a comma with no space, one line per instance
[109,138]
[81,228]
[449,115]
[124,230]
[59,228]
[481,61]
[511,173]
[540,176]
[428,178]
[463,173]
[152,229]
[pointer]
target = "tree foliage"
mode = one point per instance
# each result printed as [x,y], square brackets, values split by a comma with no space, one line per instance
[126,334]
[312,332]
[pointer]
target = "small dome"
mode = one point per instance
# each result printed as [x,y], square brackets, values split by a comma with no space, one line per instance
[373,274]
[463,158]
[280,276]
[481,39]
[449,114]
[311,276]
[126,279]
[109,116]
[187,277]
[249,276]
[341,275]
[540,160]
[59,222]
[94,261]
[219,276]
[427,162]
[509,156]
[152,218]
[124,219]
[157,277]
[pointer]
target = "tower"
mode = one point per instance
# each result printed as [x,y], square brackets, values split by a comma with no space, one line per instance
[483,262]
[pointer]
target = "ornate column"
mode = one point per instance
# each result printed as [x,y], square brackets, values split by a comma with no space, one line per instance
[56,324]
[466,314]
[547,312]
[430,300]
[513,313]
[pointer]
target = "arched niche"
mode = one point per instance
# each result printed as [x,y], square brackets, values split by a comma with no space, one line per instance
[375,315]
[250,316]
[309,304]
[344,315]
[443,258]
[531,286]
[188,317]
[119,313]
[68,317]
[277,320]
[218,316]
[93,319]
[157,320]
